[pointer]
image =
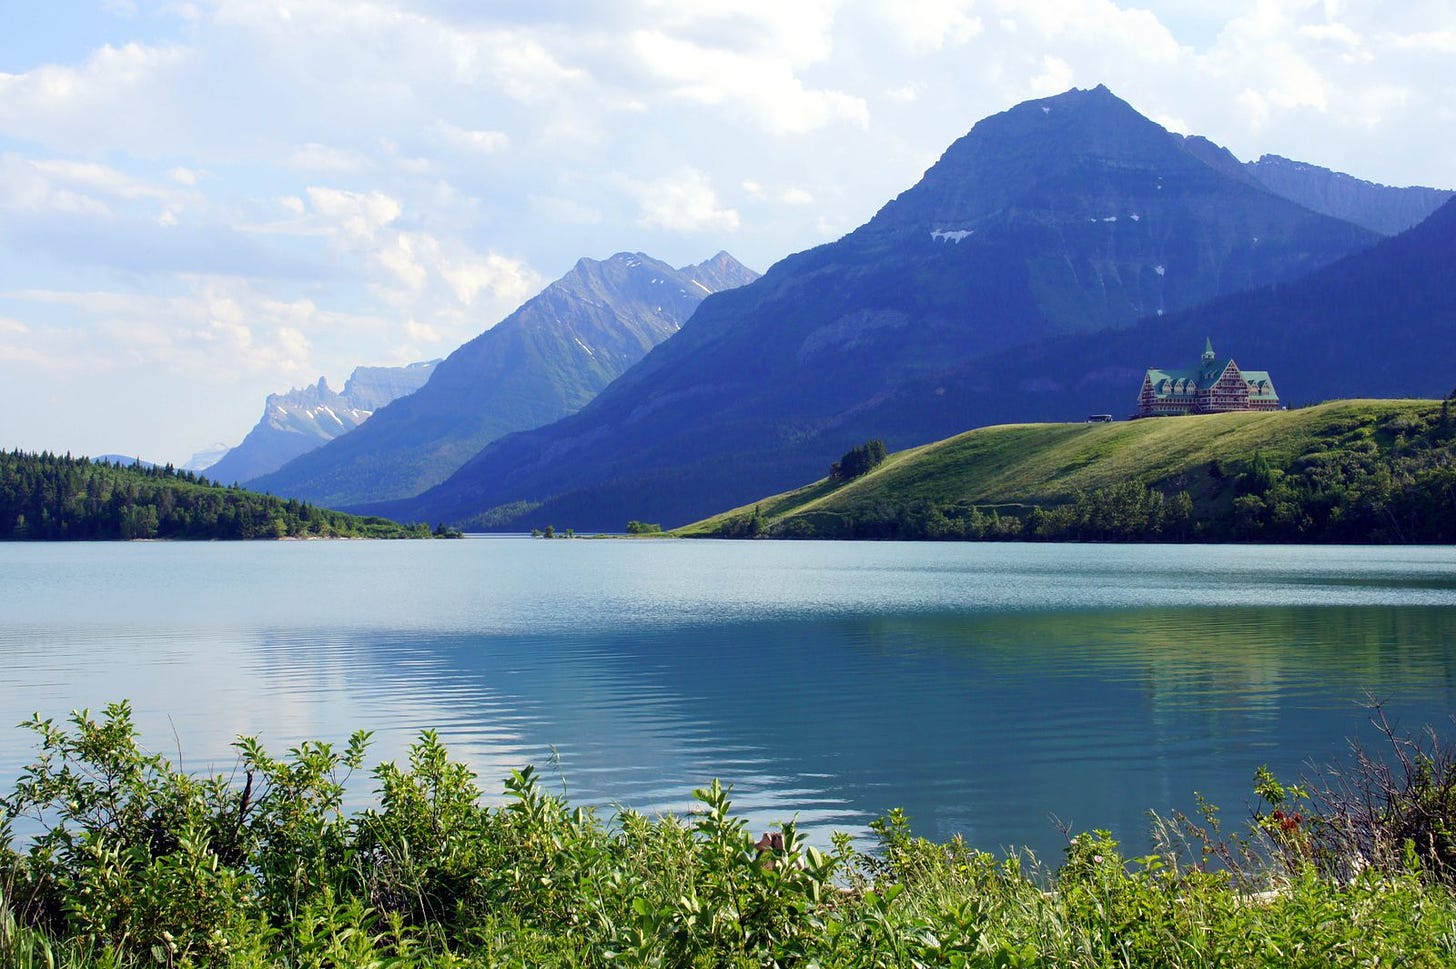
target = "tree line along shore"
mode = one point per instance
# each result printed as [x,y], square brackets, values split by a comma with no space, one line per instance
[50,497]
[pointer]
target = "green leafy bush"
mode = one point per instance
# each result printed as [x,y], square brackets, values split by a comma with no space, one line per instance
[132,863]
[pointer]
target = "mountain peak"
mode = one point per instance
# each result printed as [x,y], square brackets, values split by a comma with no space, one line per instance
[1081,140]
[1101,94]
[302,419]
[1077,100]
[545,360]
[719,273]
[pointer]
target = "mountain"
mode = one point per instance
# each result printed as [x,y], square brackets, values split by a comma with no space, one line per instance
[1071,214]
[1379,208]
[124,461]
[206,458]
[1380,323]
[717,274]
[544,361]
[305,418]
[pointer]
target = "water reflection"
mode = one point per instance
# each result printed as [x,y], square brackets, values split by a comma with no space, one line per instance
[983,689]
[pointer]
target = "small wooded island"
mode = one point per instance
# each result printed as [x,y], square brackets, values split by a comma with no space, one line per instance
[50,497]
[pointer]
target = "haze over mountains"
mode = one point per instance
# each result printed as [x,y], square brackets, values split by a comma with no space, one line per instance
[1379,208]
[1065,216]
[306,418]
[544,361]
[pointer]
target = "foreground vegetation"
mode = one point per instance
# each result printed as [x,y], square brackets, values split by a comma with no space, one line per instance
[135,864]
[49,497]
[1346,472]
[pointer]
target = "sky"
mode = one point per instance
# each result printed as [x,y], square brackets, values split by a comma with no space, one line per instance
[205,202]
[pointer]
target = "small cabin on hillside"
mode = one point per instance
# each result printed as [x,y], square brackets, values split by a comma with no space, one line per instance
[1213,387]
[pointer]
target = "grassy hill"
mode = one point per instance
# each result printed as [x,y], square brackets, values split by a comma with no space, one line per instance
[1358,470]
[1071,215]
[49,497]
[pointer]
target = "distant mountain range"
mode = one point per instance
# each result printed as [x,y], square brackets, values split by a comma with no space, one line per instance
[125,461]
[206,458]
[1379,208]
[544,361]
[1061,222]
[306,418]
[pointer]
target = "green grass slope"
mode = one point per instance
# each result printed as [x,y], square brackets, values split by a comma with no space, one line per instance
[1341,471]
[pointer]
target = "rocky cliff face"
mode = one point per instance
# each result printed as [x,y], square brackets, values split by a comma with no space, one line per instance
[370,388]
[309,417]
[544,361]
[1378,323]
[1380,208]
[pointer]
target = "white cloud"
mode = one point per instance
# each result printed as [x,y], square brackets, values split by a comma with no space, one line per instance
[365,178]
[1335,34]
[421,332]
[933,24]
[358,216]
[684,202]
[524,69]
[78,188]
[326,160]
[426,278]
[1436,41]
[101,179]
[1129,30]
[566,211]
[121,96]
[785,196]
[479,142]
[220,330]
[1056,76]
[800,33]
[768,92]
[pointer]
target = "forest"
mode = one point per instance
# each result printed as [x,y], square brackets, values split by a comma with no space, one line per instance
[50,497]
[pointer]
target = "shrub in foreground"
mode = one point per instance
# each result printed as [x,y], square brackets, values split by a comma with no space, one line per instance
[133,863]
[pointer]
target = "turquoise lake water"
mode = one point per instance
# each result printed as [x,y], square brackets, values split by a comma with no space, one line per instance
[984,688]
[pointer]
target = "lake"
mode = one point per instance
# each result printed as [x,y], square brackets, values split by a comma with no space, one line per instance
[984,688]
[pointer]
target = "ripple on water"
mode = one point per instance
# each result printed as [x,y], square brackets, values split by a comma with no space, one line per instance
[982,688]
